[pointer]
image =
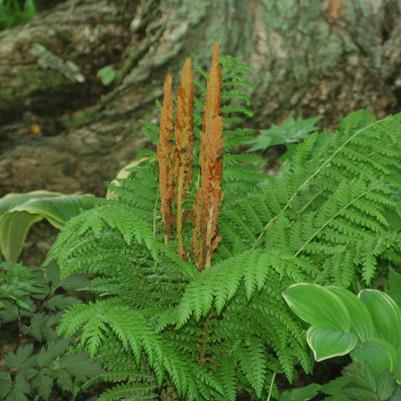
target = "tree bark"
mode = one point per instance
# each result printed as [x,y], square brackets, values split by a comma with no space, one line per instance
[60,129]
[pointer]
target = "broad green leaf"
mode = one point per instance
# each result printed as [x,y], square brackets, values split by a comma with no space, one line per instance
[328,343]
[301,394]
[18,212]
[361,321]
[12,200]
[14,228]
[57,209]
[318,306]
[378,353]
[385,313]
[394,290]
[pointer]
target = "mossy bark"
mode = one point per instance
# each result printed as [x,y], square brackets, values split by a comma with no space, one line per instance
[62,130]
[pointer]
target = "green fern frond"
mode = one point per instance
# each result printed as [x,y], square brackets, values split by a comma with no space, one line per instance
[219,285]
[129,391]
[132,330]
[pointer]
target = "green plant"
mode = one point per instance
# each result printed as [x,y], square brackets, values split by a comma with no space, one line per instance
[366,326]
[290,132]
[357,382]
[107,75]
[36,362]
[18,212]
[201,317]
[12,13]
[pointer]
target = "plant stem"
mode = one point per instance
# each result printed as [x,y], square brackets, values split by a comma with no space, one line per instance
[271,386]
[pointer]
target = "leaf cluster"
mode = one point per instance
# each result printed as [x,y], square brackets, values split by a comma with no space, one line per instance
[38,363]
[13,13]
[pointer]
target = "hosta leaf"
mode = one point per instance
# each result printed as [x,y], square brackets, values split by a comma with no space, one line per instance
[361,320]
[394,290]
[18,212]
[378,353]
[329,343]
[318,306]
[385,313]
[14,228]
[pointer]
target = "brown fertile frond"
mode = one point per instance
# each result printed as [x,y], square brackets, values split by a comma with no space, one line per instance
[184,139]
[213,95]
[209,197]
[165,153]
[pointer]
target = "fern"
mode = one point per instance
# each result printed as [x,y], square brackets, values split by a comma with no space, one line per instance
[317,208]
[158,325]
[136,336]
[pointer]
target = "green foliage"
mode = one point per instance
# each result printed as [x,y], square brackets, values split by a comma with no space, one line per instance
[39,363]
[289,133]
[394,286]
[159,325]
[360,382]
[18,212]
[329,205]
[301,394]
[12,13]
[107,75]
[366,326]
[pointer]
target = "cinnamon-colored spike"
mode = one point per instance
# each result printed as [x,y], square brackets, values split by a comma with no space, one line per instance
[184,139]
[165,153]
[209,196]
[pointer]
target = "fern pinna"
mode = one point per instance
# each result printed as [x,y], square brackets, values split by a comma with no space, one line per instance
[179,315]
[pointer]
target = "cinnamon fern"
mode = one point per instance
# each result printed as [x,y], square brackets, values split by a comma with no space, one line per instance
[163,325]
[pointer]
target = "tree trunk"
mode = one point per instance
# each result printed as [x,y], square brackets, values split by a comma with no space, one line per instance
[60,129]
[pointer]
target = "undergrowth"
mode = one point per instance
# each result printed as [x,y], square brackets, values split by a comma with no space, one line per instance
[189,254]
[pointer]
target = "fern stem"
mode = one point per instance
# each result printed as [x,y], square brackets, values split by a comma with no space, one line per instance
[312,176]
[166,237]
[320,229]
[271,386]
[312,199]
